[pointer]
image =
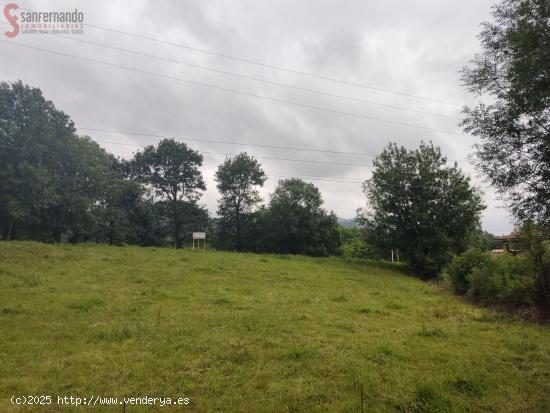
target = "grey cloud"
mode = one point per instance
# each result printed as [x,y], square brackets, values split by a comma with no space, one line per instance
[414,46]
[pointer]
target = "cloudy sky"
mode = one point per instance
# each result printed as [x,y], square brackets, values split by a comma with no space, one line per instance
[367,48]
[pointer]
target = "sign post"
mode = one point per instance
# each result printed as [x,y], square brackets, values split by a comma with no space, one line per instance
[197,237]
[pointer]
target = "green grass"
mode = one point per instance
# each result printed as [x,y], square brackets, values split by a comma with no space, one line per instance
[254,333]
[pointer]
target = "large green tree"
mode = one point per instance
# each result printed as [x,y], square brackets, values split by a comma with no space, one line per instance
[81,172]
[238,179]
[49,177]
[119,211]
[512,74]
[421,206]
[30,127]
[296,221]
[171,170]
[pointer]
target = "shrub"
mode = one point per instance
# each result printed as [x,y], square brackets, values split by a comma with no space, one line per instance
[542,283]
[462,266]
[505,280]
[358,249]
[539,253]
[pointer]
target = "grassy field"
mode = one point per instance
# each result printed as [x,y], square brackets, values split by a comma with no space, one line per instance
[254,333]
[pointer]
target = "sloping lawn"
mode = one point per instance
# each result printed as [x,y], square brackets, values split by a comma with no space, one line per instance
[253,333]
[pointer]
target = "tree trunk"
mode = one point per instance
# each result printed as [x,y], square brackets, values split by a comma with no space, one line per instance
[177,236]
[57,236]
[8,229]
[111,231]
[75,238]
[239,240]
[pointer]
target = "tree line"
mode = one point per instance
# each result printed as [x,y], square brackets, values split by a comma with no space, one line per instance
[57,186]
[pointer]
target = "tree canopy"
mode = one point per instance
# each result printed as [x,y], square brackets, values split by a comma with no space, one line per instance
[171,170]
[297,222]
[421,206]
[238,179]
[513,74]
[49,176]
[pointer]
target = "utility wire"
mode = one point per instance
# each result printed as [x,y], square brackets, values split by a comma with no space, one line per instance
[208,85]
[275,67]
[193,139]
[228,142]
[262,64]
[315,178]
[257,79]
[261,157]
[230,154]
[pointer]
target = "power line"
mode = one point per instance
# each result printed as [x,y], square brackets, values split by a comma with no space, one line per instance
[275,67]
[193,139]
[228,142]
[286,85]
[234,154]
[266,65]
[207,85]
[316,178]
[260,157]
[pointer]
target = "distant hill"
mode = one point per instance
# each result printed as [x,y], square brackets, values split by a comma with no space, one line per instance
[347,222]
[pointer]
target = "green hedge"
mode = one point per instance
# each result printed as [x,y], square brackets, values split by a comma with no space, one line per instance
[502,280]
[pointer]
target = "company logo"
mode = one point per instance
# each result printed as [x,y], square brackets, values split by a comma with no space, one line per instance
[42,22]
[12,19]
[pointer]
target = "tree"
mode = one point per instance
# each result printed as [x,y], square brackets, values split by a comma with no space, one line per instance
[417,204]
[50,178]
[482,240]
[539,255]
[238,179]
[116,211]
[354,243]
[171,170]
[30,126]
[297,223]
[78,179]
[513,72]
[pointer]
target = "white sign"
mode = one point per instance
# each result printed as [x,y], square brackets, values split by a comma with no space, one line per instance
[199,235]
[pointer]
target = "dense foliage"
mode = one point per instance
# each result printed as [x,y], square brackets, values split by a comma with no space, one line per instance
[521,281]
[238,179]
[504,280]
[171,171]
[460,269]
[295,221]
[50,178]
[57,186]
[513,73]
[355,245]
[421,206]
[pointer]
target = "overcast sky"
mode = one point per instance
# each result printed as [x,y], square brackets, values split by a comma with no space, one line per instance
[411,47]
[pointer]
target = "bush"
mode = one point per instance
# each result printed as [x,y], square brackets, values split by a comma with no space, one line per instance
[358,249]
[461,268]
[505,280]
[539,252]
[512,281]
[542,284]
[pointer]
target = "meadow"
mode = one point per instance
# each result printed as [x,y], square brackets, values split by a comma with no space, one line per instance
[254,333]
